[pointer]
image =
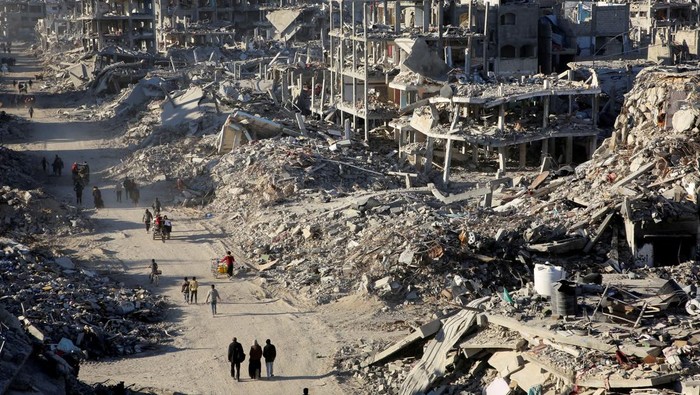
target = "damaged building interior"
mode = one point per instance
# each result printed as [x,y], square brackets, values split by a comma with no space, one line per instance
[422,197]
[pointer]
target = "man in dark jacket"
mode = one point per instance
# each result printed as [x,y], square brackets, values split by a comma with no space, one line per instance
[78,188]
[269,353]
[97,197]
[235,356]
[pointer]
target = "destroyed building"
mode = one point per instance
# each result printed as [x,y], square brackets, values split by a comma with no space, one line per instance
[126,24]
[186,23]
[598,28]
[19,17]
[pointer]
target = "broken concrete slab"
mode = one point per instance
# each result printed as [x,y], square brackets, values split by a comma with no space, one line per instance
[423,332]
[421,59]
[506,362]
[183,109]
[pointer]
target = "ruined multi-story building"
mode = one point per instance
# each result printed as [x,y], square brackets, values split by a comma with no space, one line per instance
[18,18]
[127,24]
[186,23]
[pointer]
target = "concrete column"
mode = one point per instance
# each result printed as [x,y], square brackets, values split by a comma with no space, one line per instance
[569,155]
[523,155]
[545,113]
[313,94]
[397,19]
[502,158]
[346,125]
[426,15]
[592,141]
[365,50]
[545,149]
[403,99]
[402,143]
[501,117]
[448,162]
[595,108]
[429,155]
[386,12]
[486,39]
[475,154]
[553,147]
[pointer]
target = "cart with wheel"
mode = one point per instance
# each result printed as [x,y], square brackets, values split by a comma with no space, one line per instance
[217,267]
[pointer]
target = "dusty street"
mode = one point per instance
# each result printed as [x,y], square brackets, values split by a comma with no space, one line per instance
[196,361]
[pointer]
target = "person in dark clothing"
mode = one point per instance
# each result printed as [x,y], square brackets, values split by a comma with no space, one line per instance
[127,187]
[229,260]
[147,219]
[57,166]
[78,188]
[236,356]
[269,353]
[97,197]
[44,164]
[31,112]
[135,194]
[254,364]
[156,206]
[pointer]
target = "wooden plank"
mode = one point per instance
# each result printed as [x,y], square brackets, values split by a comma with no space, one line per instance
[539,180]
[634,175]
[599,233]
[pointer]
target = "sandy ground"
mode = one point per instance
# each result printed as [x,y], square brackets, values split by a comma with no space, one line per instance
[196,361]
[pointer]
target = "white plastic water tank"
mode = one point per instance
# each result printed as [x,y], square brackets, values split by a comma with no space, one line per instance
[545,276]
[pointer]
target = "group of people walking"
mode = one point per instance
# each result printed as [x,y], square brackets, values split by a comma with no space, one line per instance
[132,191]
[236,356]
[57,165]
[189,290]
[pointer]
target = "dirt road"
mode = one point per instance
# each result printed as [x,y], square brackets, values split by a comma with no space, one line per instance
[196,361]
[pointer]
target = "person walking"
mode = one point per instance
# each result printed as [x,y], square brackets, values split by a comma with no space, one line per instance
[57,165]
[78,188]
[185,289]
[44,164]
[135,194]
[118,189]
[269,353]
[97,198]
[156,206]
[147,219]
[127,187]
[212,296]
[254,364]
[230,260]
[31,112]
[236,356]
[193,290]
[153,276]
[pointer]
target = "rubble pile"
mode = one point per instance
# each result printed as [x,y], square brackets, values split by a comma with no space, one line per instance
[183,158]
[313,203]
[16,348]
[61,301]
[273,170]
[25,210]
[12,127]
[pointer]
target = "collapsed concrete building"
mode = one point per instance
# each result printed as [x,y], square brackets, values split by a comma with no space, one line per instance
[126,24]
[19,17]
